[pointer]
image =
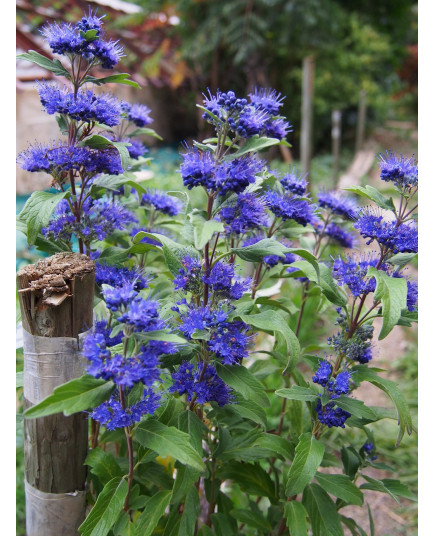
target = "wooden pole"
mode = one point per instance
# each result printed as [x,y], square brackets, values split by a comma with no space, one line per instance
[56,300]
[307,113]
[361,120]
[336,142]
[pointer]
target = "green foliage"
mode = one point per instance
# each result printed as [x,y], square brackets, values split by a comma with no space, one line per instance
[71,397]
[308,456]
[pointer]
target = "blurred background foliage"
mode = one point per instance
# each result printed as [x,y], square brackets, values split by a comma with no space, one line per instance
[182,47]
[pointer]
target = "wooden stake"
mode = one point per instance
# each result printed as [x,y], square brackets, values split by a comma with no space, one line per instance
[361,120]
[336,142]
[56,300]
[307,113]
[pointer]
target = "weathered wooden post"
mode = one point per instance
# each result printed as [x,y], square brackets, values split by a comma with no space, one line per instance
[307,114]
[361,120]
[56,299]
[336,142]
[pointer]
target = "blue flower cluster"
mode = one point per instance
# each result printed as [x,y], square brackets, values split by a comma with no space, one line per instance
[403,172]
[351,271]
[200,383]
[330,414]
[338,204]
[343,238]
[294,184]
[245,214]
[200,169]
[401,238]
[290,207]
[137,113]
[259,117]
[164,203]
[358,347]
[139,315]
[57,159]
[71,40]
[99,218]
[111,414]
[116,276]
[85,106]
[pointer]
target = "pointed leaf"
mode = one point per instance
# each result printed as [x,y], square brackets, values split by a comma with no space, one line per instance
[308,456]
[71,397]
[106,510]
[168,441]
[244,382]
[322,512]
[154,509]
[341,487]
[295,515]
[298,393]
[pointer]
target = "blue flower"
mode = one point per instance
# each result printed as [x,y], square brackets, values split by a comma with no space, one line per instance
[322,374]
[137,113]
[403,172]
[358,347]
[142,314]
[331,415]
[397,238]
[412,294]
[220,280]
[161,201]
[206,386]
[351,271]
[339,235]
[99,218]
[118,297]
[277,128]
[230,342]
[290,207]
[246,213]
[84,106]
[236,175]
[115,276]
[338,204]
[189,277]
[267,99]
[58,159]
[198,169]
[341,385]
[101,326]
[294,184]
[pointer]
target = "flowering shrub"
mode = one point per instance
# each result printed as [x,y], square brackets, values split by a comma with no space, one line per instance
[195,370]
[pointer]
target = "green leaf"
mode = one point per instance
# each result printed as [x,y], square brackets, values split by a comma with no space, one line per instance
[51,65]
[274,322]
[113,183]
[250,477]
[355,529]
[203,230]
[392,291]
[114,255]
[252,519]
[374,195]
[249,410]
[308,456]
[121,78]
[295,515]
[392,487]
[351,461]
[355,407]
[298,393]
[37,211]
[217,119]
[168,441]
[154,509]
[364,373]
[325,281]
[41,243]
[341,487]
[243,382]
[19,379]
[190,423]
[322,512]
[103,465]
[371,522]
[96,141]
[106,510]
[71,397]
[145,132]
[160,335]
[190,514]
[401,259]
[275,444]
[254,143]
[267,246]
[173,252]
